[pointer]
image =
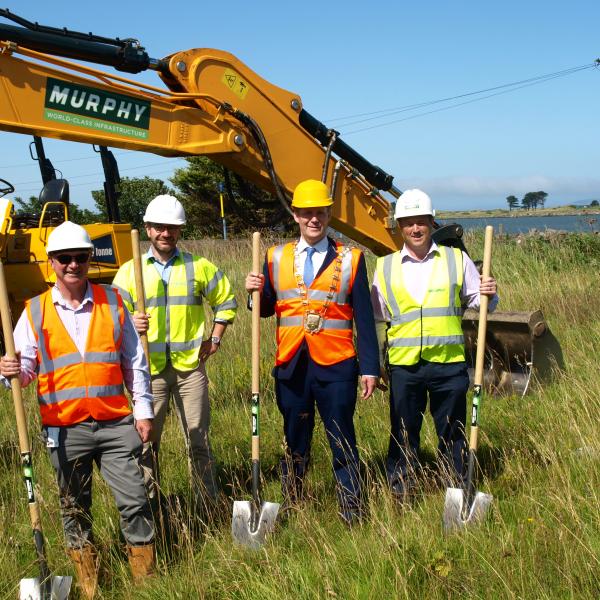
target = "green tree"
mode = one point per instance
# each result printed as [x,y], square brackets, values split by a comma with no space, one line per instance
[534,199]
[530,200]
[541,198]
[512,201]
[136,193]
[246,206]
[594,203]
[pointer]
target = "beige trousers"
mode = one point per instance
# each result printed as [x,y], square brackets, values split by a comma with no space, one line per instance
[189,391]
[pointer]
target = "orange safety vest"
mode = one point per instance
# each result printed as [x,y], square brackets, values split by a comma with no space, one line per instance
[71,387]
[327,297]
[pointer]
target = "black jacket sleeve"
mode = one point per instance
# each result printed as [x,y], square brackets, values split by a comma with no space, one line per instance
[364,322]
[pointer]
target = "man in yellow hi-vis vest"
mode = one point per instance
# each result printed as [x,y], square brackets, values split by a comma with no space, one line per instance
[175,285]
[418,297]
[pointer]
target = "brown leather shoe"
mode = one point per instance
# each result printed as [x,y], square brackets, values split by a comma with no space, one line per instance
[141,562]
[86,565]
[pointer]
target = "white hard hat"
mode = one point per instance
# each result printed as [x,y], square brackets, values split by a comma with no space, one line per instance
[413,203]
[68,236]
[165,209]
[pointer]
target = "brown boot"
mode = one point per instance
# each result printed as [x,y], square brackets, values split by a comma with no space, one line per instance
[86,564]
[141,562]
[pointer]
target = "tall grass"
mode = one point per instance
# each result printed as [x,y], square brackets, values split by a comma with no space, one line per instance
[539,457]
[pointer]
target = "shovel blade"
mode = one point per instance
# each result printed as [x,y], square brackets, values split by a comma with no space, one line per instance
[454,509]
[31,589]
[242,524]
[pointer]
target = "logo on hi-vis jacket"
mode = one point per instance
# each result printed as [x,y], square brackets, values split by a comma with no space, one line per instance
[98,109]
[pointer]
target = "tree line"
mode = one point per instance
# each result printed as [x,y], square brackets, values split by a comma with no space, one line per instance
[531,200]
[199,186]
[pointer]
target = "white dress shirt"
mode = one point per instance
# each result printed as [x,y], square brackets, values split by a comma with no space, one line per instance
[318,258]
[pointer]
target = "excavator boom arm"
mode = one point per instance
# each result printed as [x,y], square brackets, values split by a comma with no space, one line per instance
[213,105]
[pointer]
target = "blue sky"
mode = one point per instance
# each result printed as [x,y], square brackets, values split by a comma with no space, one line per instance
[351,58]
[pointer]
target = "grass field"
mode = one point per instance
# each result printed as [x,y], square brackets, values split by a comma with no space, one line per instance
[539,457]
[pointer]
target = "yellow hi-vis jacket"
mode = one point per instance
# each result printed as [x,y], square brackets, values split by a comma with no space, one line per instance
[176,313]
[432,330]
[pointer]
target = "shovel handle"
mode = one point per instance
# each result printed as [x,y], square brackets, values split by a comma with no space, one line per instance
[481,335]
[140,302]
[24,446]
[255,352]
[15,384]
[483,307]
[255,316]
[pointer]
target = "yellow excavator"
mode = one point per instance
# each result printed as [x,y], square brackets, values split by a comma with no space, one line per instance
[211,104]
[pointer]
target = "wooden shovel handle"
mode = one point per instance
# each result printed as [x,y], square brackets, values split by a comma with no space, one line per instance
[255,365]
[483,307]
[256,316]
[140,304]
[480,356]
[15,385]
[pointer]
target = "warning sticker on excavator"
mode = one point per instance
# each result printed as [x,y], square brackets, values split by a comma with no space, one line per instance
[235,83]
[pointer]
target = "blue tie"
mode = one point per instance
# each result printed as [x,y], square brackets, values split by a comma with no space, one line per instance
[309,272]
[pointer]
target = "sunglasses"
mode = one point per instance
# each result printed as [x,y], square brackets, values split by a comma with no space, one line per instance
[160,227]
[67,259]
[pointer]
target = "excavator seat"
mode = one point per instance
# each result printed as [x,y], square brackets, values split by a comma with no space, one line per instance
[55,190]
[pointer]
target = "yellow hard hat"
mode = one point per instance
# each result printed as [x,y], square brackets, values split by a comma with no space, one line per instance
[311,194]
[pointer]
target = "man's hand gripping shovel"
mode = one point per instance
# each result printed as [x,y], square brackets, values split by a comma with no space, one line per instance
[466,506]
[46,586]
[253,520]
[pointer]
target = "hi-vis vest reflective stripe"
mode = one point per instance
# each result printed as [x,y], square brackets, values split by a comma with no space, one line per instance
[334,342]
[177,316]
[72,387]
[431,331]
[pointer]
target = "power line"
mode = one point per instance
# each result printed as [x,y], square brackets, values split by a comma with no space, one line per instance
[379,114]
[29,164]
[504,91]
[145,166]
[19,191]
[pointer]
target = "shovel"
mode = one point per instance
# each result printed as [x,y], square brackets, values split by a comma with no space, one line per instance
[253,520]
[465,506]
[44,587]
[140,306]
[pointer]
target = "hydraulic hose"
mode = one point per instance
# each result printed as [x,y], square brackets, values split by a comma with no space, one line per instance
[260,140]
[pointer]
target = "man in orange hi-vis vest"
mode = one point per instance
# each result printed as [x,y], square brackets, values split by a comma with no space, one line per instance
[318,290]
[80,343]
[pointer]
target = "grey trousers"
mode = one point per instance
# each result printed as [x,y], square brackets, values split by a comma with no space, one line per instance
[189,390]
[115,447]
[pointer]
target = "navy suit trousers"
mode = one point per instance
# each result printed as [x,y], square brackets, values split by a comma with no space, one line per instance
[335,401]
[446,386]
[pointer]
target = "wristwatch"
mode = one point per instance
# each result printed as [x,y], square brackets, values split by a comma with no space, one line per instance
[215,339]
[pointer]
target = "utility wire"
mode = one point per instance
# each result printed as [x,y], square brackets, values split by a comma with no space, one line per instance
[145,166]
[379,114]
[505,91]
[29,164]
[20,191]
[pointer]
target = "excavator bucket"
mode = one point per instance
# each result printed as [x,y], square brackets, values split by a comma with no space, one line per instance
[519,348]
